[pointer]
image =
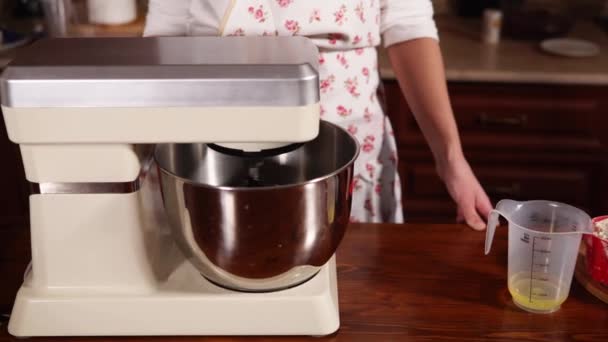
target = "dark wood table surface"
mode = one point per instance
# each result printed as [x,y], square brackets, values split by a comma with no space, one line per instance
[408,283]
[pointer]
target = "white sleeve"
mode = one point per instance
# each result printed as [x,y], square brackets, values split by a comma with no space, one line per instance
[403,20]
[167,18]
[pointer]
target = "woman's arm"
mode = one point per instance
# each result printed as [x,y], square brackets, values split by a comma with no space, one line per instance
[410,36]
[419,69]
[420,72]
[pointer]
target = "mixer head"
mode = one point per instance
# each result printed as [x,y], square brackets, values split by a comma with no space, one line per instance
[245,93]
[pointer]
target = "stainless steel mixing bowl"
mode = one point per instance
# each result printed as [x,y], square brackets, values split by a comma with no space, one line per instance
[255,222]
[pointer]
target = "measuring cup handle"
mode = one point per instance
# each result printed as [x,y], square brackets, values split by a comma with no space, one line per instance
[505,207]
[492,223]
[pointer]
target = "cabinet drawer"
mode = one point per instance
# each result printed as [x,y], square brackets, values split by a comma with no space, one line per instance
[522,109]
[570,186]
[510,115]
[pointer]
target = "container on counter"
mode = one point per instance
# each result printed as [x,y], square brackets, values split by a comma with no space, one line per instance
[492,24]
[596,258]
[112,12]
[544,239]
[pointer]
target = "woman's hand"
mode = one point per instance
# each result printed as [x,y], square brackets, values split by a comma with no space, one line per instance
[474,206]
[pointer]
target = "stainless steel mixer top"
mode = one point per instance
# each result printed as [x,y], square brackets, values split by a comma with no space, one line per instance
[259,222]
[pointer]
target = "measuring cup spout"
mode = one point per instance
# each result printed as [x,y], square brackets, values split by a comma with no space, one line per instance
[505,208]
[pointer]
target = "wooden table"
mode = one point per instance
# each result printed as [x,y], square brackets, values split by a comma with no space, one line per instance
[424,283]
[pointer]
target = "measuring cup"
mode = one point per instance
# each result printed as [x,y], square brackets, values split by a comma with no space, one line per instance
[544,238]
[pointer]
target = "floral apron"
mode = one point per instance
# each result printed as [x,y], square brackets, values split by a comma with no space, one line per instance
[346,33]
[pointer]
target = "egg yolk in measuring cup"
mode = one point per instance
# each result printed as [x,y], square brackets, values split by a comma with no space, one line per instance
[536,293]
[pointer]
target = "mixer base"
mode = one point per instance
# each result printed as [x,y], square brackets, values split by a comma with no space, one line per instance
[183,304]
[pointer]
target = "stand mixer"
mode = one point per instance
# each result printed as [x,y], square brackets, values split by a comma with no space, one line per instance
[181,186]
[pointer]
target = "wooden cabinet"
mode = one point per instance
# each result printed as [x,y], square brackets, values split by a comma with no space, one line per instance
[15,255]
[13,187]
[523,141]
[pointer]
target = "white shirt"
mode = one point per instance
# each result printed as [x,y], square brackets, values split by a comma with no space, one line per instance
[400,20]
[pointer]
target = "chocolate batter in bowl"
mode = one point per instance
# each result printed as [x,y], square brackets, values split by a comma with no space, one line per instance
[259,221]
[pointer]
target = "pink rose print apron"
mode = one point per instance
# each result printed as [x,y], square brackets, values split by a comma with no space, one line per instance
[346,33]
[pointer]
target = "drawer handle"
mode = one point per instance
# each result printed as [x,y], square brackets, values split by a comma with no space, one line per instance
[505,190]
[506,121]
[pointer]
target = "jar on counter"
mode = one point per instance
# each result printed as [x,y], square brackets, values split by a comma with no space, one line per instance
[492,24]
[112,12]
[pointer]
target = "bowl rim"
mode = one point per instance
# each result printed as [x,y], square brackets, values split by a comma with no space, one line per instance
[599,218]
[273,187]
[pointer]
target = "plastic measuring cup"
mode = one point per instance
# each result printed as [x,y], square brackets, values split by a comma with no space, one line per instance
[544,239]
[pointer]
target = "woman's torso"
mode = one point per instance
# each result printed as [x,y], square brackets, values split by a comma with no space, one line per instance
[346,33]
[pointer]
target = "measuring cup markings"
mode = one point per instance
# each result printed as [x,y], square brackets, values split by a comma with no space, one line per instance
[534,274]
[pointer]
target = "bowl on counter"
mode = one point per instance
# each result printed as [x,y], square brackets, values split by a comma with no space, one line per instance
[592,265]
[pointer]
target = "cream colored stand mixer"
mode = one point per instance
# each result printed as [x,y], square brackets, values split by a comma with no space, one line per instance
[181,186]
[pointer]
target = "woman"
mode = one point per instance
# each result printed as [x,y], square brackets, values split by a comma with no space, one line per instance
[346,33]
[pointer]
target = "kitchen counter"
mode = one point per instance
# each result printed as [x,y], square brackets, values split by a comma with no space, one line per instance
[468,60]
[411,283]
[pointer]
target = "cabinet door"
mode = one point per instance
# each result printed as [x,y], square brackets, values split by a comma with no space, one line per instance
[13,187]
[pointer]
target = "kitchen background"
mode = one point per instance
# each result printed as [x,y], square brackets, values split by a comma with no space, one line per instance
[534,124]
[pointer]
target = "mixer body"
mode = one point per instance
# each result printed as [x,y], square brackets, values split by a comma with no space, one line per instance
[106,260]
